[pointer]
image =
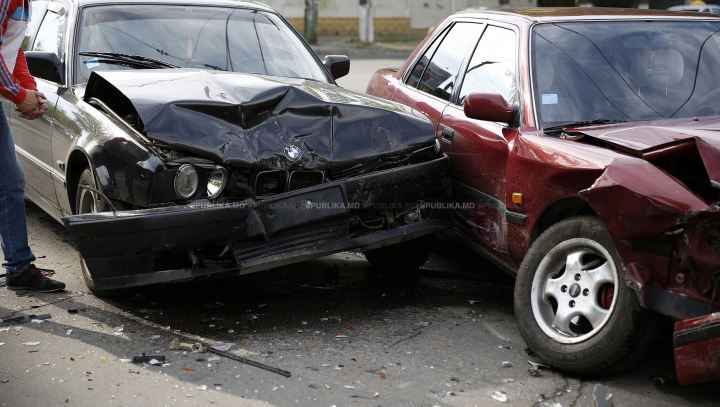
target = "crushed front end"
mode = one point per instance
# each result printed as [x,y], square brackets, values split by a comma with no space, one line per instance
[294,170]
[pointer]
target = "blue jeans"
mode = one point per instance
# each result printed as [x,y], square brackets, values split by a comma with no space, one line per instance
[13,225]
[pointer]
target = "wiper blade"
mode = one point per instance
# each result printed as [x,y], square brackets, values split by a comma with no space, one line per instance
[578,124]
[139,60]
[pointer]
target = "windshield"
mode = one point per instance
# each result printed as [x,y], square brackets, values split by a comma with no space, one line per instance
[228,39]
[625,71]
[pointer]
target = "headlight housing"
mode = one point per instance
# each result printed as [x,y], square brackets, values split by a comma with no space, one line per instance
[186,181]
[217,180]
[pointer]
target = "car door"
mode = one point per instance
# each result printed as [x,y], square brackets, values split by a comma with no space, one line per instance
[33,138]
[431,81]
[478,150]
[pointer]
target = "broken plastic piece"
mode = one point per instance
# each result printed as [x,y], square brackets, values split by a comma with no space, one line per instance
[201,387]
[349,387]
[376,395]
[327,387]
[423,323]
[505,363]
[496,395]
[223,346]
[147,359]
[31,343]
[196,347]
[602,396]
[187,369]
[22,320]
[383,376]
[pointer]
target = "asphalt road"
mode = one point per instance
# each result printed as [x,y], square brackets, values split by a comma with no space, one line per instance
[436,338]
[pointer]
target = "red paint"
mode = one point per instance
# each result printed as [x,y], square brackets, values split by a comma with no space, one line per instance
[698,361]
[487,106]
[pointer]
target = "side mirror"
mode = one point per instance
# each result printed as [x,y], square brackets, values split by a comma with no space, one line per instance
[45,65]
[338,65]
[488,106]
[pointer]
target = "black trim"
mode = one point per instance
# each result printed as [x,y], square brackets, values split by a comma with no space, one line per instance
[674,305]
[660,248]
[711,330]
[514,218]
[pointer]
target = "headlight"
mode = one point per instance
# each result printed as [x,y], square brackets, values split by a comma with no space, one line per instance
[186,181]
[216,182]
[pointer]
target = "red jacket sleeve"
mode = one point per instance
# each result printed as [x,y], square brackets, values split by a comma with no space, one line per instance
[9,85]
[21,72]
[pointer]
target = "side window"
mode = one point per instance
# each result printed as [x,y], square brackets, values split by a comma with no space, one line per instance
[417,71]
[49,36]
[442,71]
[492,68]
[715,10]
[38,10]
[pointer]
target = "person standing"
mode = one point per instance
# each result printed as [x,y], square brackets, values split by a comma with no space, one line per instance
[17,85]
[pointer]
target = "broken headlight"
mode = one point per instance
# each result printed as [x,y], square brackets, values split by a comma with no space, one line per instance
[186,181]
[216,182]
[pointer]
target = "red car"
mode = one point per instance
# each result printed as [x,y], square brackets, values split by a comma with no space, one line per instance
[584,147]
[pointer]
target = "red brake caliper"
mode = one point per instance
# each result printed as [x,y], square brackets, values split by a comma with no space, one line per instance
[607,292]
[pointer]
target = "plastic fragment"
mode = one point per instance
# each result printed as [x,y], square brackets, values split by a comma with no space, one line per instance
[2,343]
[496,395]
[376,395]
[187,369]
[473,301]
[223,346]
[69,331]
[505,363]
[37,321]
[423,323]
[213,358]
[508,380]
[382,376]
[125,360]
[201,388]
[349,327]
[31,343]
[349,387]
[327,387]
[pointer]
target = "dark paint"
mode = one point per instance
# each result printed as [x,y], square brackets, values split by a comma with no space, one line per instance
[333,127]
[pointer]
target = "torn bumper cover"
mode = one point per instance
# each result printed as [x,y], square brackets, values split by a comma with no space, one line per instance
[178,243]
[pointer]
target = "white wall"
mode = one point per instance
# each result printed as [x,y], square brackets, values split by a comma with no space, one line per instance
[423,13]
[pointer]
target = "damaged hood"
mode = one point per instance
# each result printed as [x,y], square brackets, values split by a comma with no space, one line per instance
[656,140]
[261,121]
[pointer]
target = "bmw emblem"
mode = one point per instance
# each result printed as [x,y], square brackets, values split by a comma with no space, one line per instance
[292,153]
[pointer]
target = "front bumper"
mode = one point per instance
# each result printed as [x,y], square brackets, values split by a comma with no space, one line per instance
[121,249]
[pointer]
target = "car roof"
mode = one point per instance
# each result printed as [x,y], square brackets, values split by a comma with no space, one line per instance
[547,14]
[224,3]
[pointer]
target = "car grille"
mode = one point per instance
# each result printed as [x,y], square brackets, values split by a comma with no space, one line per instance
[270,182]
[305,179]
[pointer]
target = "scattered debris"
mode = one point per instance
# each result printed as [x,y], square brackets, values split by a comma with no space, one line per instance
[508,380]
[423,323]
[4,381]
[537,366]
[37,321]
[196,347]
[473,301]
[658,380]
[339,337]
[376,395]
[455,379]
[125,360]
[201,388]
[250,362]
[505,363]
[213,358]
[22,320]
[327,387]
[496,395]
[349,387]
[148,359]
[383,376]
[187,369]
[2,343]
[442,393]
[349,327]
[31,343]
[602,396]
[155,337]
[69,331]
[73,310]
[529,352]
[222,346]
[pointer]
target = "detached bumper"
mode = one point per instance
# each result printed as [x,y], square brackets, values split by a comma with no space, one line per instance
[123,249]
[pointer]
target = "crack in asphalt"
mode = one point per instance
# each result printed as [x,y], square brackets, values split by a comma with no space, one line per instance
[579,393]
[555,395]
[12,313]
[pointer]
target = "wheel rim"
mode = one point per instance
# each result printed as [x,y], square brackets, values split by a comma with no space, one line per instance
[573,290]
[86,203]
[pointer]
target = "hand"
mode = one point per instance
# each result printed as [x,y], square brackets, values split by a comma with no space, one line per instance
[33,106]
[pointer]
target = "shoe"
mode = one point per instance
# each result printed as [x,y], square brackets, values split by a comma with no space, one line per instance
[32,279]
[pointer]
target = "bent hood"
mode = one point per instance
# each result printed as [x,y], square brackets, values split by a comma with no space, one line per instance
[662,139]
[260,121]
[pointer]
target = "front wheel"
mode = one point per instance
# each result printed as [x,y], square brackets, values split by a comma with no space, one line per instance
[87,202]
[573,307]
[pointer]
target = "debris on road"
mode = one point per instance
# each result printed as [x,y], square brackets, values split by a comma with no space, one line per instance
[22,320]
[250,362]
[196,347]
[201,388]
[505,363]
[473,301]
[349,387]
[602,396]
[69,331]
[423,323]
[442,393]
[148,359]
[223,346]
[376,395]
[496,395]
[187,369]
[31,343]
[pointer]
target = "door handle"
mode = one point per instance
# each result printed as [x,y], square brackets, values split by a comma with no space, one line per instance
[448,134]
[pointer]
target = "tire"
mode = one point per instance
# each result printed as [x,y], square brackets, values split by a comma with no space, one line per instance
[401,258]
[86,202]
[574,321]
